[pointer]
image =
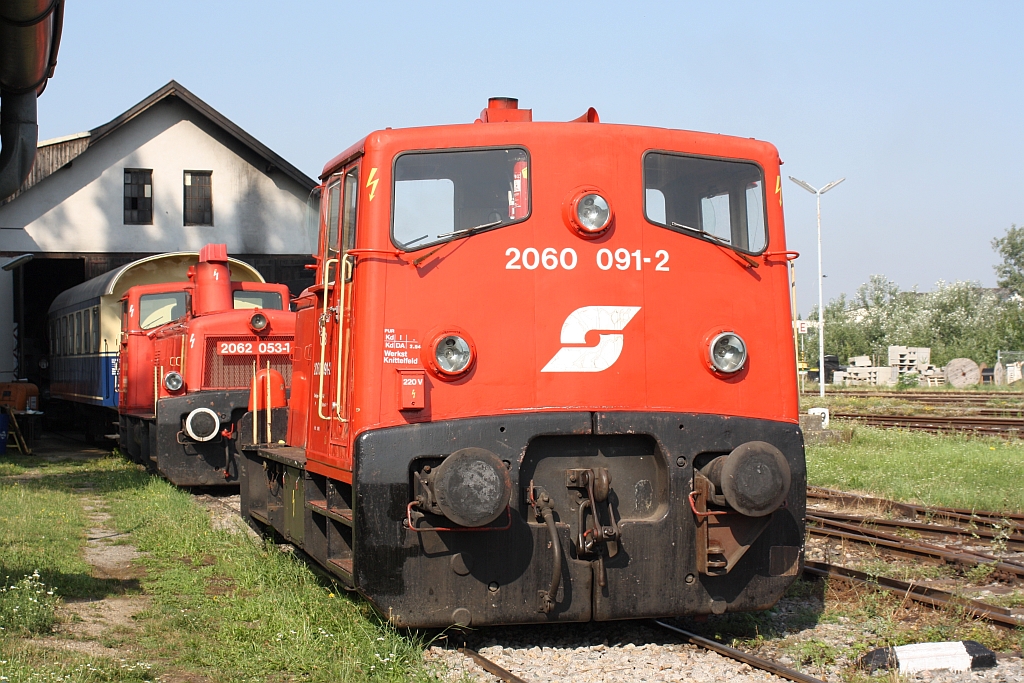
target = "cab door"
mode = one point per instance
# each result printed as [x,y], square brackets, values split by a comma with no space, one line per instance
[341,387]
[321,410]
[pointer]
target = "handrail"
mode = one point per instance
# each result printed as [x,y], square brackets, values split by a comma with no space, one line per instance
[344,330]
[323,341]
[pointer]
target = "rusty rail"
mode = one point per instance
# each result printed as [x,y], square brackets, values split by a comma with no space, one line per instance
[998,426]
[899,545]
[1000,616]
[490,667]
[1012,540]
[741,656]
[938,398]
[976,517]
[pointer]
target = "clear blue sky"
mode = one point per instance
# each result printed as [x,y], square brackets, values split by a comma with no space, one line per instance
[918,105]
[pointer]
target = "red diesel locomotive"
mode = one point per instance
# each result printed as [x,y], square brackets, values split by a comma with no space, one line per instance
[196,358]
[547,375]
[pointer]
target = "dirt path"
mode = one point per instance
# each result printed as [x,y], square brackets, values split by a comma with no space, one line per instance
[102,627]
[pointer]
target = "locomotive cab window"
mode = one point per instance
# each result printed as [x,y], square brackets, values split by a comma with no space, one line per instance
[440,196]
[246,300]
[160,309]
[720,200]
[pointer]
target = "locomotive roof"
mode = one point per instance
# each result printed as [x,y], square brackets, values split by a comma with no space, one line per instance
[172,267]
[502,117]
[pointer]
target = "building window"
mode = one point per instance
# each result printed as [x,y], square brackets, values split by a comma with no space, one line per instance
[198,197]
[138,196]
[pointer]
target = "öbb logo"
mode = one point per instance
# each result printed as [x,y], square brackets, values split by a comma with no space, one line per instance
[574,331]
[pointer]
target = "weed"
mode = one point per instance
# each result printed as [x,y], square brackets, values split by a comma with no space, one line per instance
[813,652]
[27,606]
[980,574]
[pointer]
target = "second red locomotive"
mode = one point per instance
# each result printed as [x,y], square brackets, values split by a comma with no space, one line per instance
[195,358]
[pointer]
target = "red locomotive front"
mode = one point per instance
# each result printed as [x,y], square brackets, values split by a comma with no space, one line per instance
[191,355]
[547,375]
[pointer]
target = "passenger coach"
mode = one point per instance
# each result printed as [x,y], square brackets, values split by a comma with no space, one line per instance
[85,335]
[546,374]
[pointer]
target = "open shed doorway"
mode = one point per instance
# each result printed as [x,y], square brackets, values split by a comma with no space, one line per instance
[44,279]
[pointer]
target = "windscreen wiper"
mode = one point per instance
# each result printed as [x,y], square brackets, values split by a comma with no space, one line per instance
[460,233]
[412,242]
[718,240]
[470,231]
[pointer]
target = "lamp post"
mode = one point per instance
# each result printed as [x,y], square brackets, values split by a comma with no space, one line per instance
[821,302]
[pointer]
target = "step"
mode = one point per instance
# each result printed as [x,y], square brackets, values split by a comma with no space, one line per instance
[343,568]
[342,515]
[259,516]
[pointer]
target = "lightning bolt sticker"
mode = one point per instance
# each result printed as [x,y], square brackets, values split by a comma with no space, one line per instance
[778,188]
[192,341]
[371,182]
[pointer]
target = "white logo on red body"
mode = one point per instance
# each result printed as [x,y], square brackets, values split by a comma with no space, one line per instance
[574,331]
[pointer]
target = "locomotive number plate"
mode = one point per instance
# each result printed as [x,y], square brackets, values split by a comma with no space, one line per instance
[250,348]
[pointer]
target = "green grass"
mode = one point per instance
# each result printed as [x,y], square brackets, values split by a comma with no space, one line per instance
[957,471]
[221,606]
[238,609]
[22,662]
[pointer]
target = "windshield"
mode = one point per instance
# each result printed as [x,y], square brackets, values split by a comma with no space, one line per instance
[160,309]
[440,196]
[724,199]
[244,299]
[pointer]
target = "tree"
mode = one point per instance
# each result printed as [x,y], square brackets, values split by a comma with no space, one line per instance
[1011,248]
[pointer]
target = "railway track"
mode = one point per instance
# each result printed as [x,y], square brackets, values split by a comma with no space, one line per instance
[997,426]
[939,599]
[750,660]
[928,512]
[741,656]
[939,398]
[1000,532]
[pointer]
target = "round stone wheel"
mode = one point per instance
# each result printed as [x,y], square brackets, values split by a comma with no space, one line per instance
[962,372]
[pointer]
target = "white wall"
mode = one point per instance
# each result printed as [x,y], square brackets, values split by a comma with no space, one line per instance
[81,208]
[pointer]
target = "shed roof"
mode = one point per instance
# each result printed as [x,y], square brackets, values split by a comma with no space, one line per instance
[54,154]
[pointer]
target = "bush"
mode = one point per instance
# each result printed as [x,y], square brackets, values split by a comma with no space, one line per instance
[28,606]
[956,320]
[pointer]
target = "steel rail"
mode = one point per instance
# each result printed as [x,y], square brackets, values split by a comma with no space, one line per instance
[911,545]
[935,423]
[900,546]
[741,656]
[490,667]
[1000,616]
[1013,540]
[935,399]
[934,395]
[986,517]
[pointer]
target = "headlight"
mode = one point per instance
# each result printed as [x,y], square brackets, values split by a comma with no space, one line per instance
[173,381]
[728,352]
[453,354]
[593,212]
[258,322]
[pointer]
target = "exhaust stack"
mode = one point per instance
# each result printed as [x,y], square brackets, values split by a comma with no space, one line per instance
[212,279]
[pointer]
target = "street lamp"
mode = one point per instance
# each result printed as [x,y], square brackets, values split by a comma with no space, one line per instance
[821,302]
